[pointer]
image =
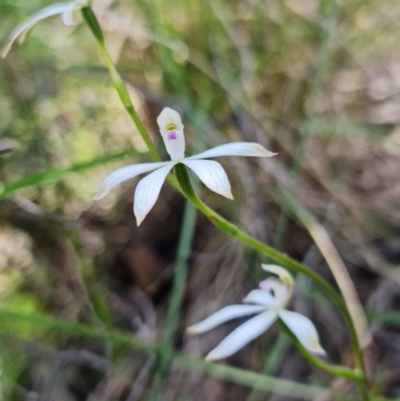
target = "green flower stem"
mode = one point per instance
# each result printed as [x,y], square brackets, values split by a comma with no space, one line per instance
[117,81]
[182,176]
[177,293]
[338,371]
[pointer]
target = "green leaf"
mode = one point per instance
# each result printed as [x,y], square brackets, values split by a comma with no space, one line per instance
[57,174]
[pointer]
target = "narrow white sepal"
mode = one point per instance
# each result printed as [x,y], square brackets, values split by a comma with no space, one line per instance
[245,333]
[281,272]
[25,26]
[223,316]
[303,328]
[125,173]
[259,297]
[147,192]
[251,149]
[212,174]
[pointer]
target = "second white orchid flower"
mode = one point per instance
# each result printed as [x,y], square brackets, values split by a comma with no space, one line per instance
[268,304]
[210,172]
[65,9]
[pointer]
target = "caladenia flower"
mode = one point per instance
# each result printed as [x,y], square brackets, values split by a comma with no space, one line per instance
[210,172]
[65,9]
[268,303]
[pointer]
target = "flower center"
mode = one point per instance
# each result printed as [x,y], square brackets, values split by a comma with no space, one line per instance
[172,135]
[170,126]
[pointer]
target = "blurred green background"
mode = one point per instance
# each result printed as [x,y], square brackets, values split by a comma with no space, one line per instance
[84,293]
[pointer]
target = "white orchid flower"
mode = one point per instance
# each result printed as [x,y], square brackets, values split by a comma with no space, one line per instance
[268,303]
[210,172]
[64,9]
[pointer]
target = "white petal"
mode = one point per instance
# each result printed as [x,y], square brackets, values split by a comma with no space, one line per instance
[281,272]
[24,27]
[174,142]
[169,120]
[303,328]
[125,173]
[235,149]
[147,192]
[212,175]
[222,316]
[259,297]
[243,335]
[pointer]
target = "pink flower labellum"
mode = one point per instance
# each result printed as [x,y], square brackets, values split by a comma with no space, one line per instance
[172,136]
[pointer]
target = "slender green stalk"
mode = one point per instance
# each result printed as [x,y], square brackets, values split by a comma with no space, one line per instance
[180,272]
[178,287]
[55,175]
[117,81]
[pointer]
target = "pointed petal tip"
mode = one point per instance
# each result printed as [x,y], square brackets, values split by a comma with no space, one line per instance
[225,194]
[320,351]
[264,152]
[5,50]
[190,330]
[210,357]
[139,220]
[99,195]
[316,349]
[139,217]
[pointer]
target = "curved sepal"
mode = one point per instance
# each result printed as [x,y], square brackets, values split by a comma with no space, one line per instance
[147,192]
[304,330]
[212,175]
[250,149]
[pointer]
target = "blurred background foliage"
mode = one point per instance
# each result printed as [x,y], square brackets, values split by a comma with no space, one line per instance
[316,81]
